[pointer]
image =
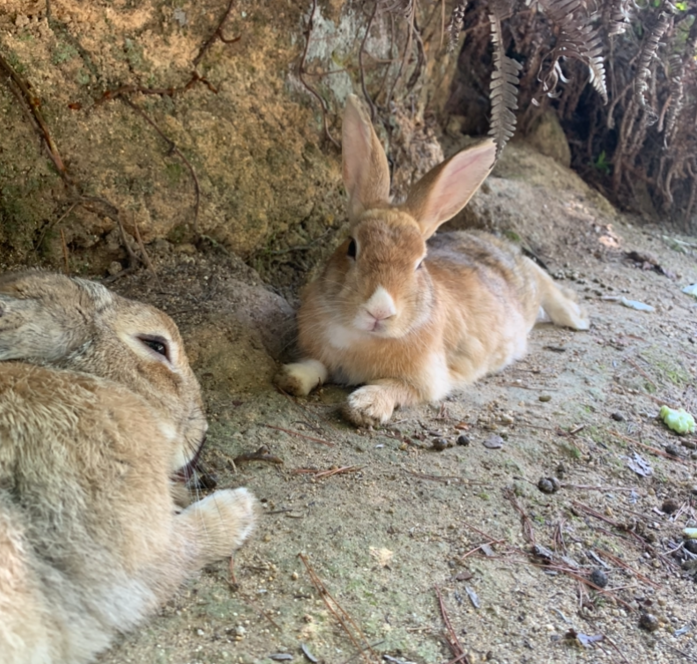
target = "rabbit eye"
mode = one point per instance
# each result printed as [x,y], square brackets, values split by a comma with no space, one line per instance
[420,265]
[351,253]
[158,345]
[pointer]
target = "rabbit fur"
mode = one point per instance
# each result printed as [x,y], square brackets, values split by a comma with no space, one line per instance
[98,411]
[412,320]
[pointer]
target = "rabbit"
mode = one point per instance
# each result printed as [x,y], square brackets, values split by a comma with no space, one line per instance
[99,410]
[410,320]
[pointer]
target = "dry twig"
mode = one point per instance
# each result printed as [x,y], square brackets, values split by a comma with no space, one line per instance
[218,34]
[340,614]
[453,641]
[528,530]
[262,454]
[301,74]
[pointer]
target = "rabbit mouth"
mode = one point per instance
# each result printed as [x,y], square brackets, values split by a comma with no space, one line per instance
[186,472]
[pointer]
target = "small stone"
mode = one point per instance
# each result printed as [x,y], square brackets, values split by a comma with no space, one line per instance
[618,417]
[464,440]
[545,397]
[599,578]
[185,248]
[649,622]
[114,268]
[670,505]
[493,442]
[440,444]
[548,485]
[672,450]
[693,490]
[561,471]
[240,630]
[690,545]
[294,576]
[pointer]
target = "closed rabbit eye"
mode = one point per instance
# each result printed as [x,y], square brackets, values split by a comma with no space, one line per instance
[420,264]
[352,249]
[156,344]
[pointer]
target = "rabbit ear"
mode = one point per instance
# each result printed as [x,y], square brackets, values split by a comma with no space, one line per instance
[44,317]
[28,332]
[445,189]
[365,168]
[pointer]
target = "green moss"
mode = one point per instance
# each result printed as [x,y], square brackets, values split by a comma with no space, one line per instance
[178,234]
[15,63]
[571,451]
[512,236]
[63,52]
[173,171]
[134,54]
[83,77]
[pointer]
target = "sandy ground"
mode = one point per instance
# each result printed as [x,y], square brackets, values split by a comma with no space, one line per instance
[398,523]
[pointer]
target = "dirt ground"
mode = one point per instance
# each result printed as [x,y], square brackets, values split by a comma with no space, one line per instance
[399,524]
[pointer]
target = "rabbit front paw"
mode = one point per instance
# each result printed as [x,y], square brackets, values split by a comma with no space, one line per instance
[369,405]
[300,378]
[223,521]
[579,318]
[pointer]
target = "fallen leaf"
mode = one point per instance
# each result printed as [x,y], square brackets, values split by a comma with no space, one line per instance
[473,597]
[640,466]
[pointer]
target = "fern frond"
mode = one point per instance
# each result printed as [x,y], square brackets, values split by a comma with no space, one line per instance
[578,39]
[504,89]
[647,55]
[676,94]
[680,67]
[618,15]
[501,9]
[457,20]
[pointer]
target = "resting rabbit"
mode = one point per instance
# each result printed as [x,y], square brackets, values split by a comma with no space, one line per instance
[410,320]
[98,411]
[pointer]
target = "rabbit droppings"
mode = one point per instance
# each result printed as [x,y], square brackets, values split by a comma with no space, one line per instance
[99,409]
[412,326]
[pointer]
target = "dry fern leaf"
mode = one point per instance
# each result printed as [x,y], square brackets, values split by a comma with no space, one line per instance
[501,9]
[578,39]
[504,90]
[457,20]
[676,95]
[618,15]
[649,49]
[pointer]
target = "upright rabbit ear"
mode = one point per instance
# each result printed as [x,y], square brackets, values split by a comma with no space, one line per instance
[365,168]
[445,189]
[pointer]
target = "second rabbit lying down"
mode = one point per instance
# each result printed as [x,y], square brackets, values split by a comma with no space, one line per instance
[99,409]
[412,320]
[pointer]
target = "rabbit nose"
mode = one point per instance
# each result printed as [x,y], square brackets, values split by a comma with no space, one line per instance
[381,305]
[380,314]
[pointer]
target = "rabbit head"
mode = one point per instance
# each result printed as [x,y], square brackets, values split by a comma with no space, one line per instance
[378,280]
[70,323]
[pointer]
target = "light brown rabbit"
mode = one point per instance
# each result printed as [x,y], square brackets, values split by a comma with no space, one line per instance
[98,411]
[414,321]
